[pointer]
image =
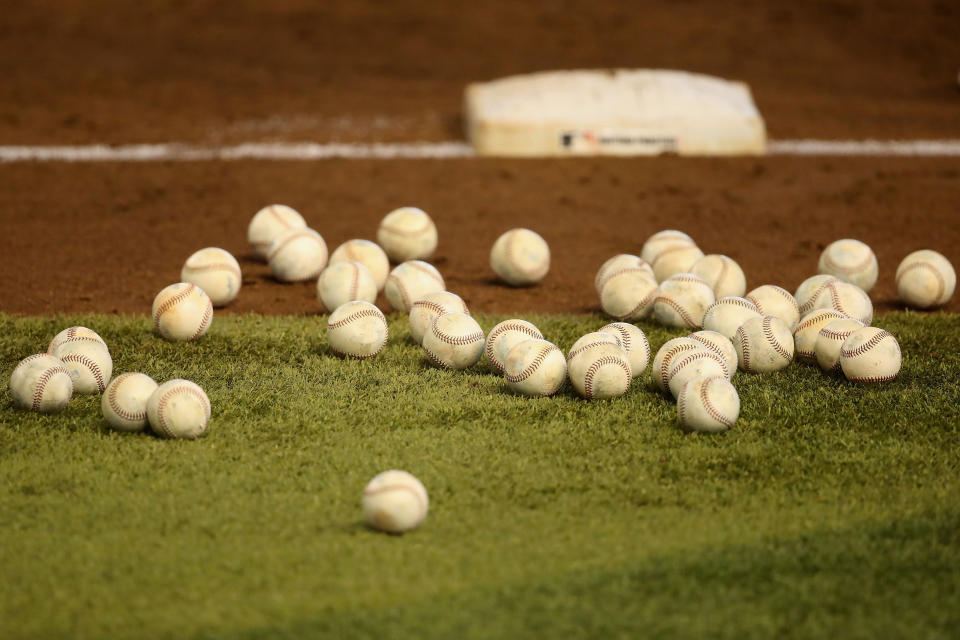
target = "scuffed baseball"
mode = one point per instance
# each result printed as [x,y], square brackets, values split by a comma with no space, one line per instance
[628,293]
[74,334]
[682,301]
[830,340]
[662,240]
[727,314]
[600,371]
[504,336]
[763,345]
[520,257]
[178,409]
[634,341]
[182,311]
[425,309]
[772,300]
[270,222]
[454,341]
[124,403]
[41,383]
[395,502]
[695,363]
[660,369]
[89,364]
[722,273]
[870,354]
[367,253]
[535,367]
[808,291]
[357,329]
[590,340]
[851,261]
[407,233]
[410,281]
[848,299]
[216,272]
[618,262]
[344,282]
[297,255]
[721,345]
[807,331]
[675,259]
[925,279]
[709,404]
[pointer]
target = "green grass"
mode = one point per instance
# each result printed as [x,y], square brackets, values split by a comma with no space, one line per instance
[828,510]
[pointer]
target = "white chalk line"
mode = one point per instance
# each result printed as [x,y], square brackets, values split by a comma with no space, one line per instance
[319,151]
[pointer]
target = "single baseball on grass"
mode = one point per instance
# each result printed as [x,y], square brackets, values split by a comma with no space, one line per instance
[634,341]
[367,253]
[628,293]
[407,233]
[520,257]
[830,340]
[599,372]
[357,329]
[763,345]
[41,383]
[925,279]
[807,331]
[535,367]
[270,222]
[851,261]
[409,281]
[870,354]
[721,345]
[722,273]
[682,301]
[182,311]
[178,409]
[504,336]
[74,334]
[89,364]
[297,255]
[675,259]
[772,300]
[848,299]
[425,309]
[124,403]
[709,405]
[662,240]
[695,363]
[808,291]
[727,314]
[618,262]
[454,341]
[344,282]
[660,369]
[216,272]
[395,502]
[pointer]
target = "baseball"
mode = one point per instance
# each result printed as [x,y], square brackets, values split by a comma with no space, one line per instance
[661,240]
[764,344]
[395,502]
[628,293]
[851,261]
[805,335]
[848,299]
[124,403]
[709,405]
[506,335]
[722,273]
[535,367]
[270,222]
[454,341]
[660,369]
[618,262]
[182,311]
[682,301]
[357,329]
[178,409]
[425,309]
[772,300]
[297,255]
[695,363]
[74,334]
[721,345]
[634,342]
[216,272]
[810,289]
[89,364]
[675,259]
[409,281]
[592,339]
[830,340]
[41,383]
[599,371]
[925,279]
[727,314]
[344,282]
[407,233]
[870,355]
[367,253]
[520,257]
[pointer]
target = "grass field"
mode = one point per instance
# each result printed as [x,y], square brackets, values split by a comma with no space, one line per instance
[829,509]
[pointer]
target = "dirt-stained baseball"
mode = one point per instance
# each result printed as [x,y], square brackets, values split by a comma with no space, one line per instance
[830,340]
[182,311]
[772,300]
[520,257]
[297,255]
[343,282]
[727,314]
[634,342]
[660,369]
[41,383]
[407,233]
[270,222]
[682,301]
[851,261]
[178,409]
[807,331]
[709,404]
[425,309]
[124,403]
[504,336]
[454,341]
[90,365]
[695,363]
[367,253]
[216,272]
[600,371]
[618,262]
[721,345]
[722,273]
[848,299]
[74,334]
[535,367]
[662,240]
[808,291]
[395,502]
[357,329]
[409,281]
[763,345]
[870,354]
[925,279]
[628,293]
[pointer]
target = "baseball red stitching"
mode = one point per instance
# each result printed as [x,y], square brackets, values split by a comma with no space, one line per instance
[430,270]
[42,383]
[705,399]
[303,233]
[217,266]
[115,404]
[436,359]
[741,336]
[619,272]
[456,340]
[643,304]
[941,285]
[597,365]
[696,356]
[373,313]
[534,365]
[170,302]
[404,296]
[682,407]
[670,249]
[866,346]
[837,335]
[809,322]
[873,378]
[812,299]
[585,347]
[410,233]
[165,398]
[205,321]
[533,332]
[834,265]
[668,358]
[723,272]
[89,364]
[624,335]
[772,339]
[680,310]
[429,304]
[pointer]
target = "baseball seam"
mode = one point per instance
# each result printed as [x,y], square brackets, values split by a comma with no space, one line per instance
[723,272]
[427,269]
[866,346]
[436,359]
[586,347]
[849,271]
[809,322]
[679,309]
[533,332]
[624,335]
[89,364]
[217,266]
[619,272]
[400,487]
[457,340]
[772,339]
[692,357]
[812,299]
[401,289]
[533,366]
[668,359]
[165,399]
[42,384]
[409,233]
[204,321]
[303,233]
[171,302]
[739,302]
[356,315]
[644,303]
[741,336]
[873,378]
[941,285]
[668,250]
[599,363]
[115,404]
[713,411]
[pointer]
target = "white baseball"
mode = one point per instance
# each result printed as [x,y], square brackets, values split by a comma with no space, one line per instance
[41,383]
[925,279]
[870,355]
[367,253]
[805,335]
[454,341]
[592,339]
[600,371]
[357,329]
[74,334]
[808,291]
[722,273]
[407,233]
[89,364]
[425,309]
[772,300]
[520,257]
[535,367]
[660,369]
[216,272]
[848,299]
[830,340]
[727,314]
[661,240]
[695,363]
[721,345]
[763,345]
[618,262]
[851,261]
[709,404]
[297,255]
[124,403]
[270,222]
[395,502]
[628,293]
[682,301]
[344,282]
[675,259]
[178,409]
[634,342]
[411,280]
[182,311]
[504,336]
